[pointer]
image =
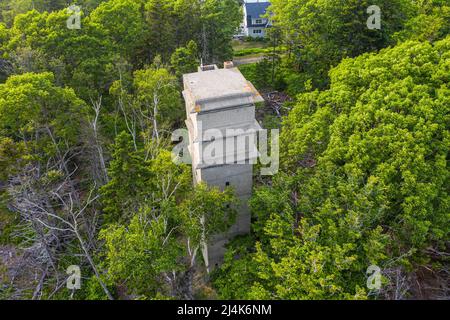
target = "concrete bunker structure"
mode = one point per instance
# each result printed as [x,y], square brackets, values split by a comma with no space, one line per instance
[220,109]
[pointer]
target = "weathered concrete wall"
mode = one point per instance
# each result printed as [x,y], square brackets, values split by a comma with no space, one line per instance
[234,117]
[222,100]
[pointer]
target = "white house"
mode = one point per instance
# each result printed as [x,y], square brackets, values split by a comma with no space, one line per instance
[255,22]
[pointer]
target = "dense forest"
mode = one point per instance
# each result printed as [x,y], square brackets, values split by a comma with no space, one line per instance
[87,176]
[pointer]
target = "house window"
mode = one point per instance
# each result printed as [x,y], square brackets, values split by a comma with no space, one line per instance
[258,21]
[227,183]
[257,31]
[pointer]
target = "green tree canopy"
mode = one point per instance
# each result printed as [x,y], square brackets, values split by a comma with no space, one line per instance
[35,111]
[368,179]
[323,32]
[185,59]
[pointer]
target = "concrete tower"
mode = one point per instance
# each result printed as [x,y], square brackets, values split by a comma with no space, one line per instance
[220,108]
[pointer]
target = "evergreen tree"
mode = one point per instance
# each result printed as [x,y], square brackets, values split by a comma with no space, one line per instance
[130,181]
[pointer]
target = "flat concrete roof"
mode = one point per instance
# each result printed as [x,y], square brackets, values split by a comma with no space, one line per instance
[212,85]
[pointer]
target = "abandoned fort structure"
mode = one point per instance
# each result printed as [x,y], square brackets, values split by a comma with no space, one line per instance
[220,108]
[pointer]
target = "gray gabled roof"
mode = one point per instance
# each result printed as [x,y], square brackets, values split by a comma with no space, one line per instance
[256,9]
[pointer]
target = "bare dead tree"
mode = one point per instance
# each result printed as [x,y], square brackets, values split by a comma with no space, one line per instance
[428,281]
[99,167]
[53,213]
[399,283]
[40,245]
[151,114]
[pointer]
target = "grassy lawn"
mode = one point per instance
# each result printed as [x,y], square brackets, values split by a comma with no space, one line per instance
[240,45]
[249,49]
